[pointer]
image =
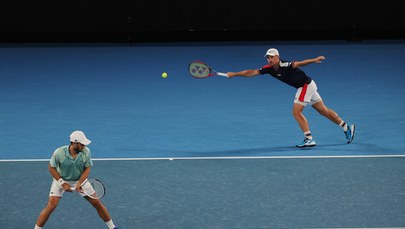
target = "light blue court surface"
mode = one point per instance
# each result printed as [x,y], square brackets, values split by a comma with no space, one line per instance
[116,95]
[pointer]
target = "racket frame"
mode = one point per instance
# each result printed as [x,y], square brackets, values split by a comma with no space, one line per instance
[211,71]
[94,195]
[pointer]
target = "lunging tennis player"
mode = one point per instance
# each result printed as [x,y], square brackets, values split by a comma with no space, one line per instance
[70,166]
[290,73]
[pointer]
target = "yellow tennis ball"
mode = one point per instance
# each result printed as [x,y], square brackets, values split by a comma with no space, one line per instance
[164,74]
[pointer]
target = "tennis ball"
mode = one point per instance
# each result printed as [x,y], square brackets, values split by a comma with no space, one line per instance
[164,75]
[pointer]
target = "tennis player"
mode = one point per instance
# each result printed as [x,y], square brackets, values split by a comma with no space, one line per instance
[290,73]
[70,166]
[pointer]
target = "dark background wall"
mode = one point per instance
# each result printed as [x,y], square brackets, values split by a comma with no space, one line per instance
[148,20]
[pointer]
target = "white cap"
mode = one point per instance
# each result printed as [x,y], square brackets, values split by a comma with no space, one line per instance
[272,52]
[78,136]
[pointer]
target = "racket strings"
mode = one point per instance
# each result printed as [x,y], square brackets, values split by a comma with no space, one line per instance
[98,188]
[199,70]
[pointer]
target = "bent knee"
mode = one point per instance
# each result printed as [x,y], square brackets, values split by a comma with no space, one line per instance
[297,112]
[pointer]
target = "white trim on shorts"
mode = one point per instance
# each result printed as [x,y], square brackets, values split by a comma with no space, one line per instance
[307,94]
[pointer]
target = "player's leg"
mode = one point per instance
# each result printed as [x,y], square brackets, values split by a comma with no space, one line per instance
[47,211]
[55,194]
[299,117]
[327,112]
[334,117]
[304,125]
[102,211]
[301,100]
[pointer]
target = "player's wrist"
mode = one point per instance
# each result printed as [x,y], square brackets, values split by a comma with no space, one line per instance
[61,182]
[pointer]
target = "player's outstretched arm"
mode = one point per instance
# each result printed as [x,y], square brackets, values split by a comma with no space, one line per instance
[317,60]
[244,73]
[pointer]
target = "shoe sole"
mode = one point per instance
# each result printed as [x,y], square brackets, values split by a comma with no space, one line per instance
[353,131]
[305,146]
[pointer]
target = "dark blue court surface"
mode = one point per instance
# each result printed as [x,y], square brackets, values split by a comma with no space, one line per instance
[240,133]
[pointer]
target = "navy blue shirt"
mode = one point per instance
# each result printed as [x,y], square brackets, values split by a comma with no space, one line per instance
[294,77]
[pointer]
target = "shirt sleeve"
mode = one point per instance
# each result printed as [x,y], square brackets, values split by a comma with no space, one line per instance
[54,159]
[265,69]
[286,64]
[88,162]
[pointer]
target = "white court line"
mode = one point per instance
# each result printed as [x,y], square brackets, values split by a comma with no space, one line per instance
[218,158]
[355,228]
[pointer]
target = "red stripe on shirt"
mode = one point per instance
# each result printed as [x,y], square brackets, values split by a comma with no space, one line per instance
[303,92]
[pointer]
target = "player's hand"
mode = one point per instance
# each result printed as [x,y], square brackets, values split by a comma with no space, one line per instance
[319,59]
[78,188]
[230,74]
[66,187]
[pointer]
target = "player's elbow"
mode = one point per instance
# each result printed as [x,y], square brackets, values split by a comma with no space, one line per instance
[252,73]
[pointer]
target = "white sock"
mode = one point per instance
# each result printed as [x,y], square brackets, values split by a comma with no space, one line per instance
[110,224]
[343,125]
[37,227]
[308,135]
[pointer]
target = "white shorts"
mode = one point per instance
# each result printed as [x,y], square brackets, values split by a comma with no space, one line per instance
[307,94]
[57,190]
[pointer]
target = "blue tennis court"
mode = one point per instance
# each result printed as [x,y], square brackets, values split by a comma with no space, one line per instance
[232,140]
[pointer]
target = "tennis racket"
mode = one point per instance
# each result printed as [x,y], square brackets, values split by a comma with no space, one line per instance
[201,70]
[97,186]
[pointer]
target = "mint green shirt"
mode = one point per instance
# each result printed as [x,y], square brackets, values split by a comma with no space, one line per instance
[70,169]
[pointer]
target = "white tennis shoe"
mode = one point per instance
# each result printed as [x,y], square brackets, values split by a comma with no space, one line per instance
[307,143]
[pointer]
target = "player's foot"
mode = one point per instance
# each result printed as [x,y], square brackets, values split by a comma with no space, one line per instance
[350,133]
[307,143]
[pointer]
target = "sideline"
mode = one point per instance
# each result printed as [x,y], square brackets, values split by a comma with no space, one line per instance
[216,158]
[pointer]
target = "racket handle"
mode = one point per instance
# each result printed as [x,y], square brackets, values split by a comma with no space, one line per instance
[222,74]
